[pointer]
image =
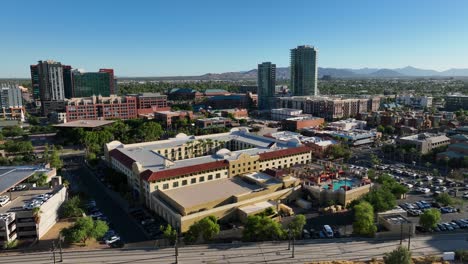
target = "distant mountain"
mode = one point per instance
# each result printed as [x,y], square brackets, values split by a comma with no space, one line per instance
[363,71]
[412,71]
[283,73]
[386,73]
[455,72]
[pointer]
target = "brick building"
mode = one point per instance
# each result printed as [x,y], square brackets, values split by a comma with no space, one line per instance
[98,107]
[169,117]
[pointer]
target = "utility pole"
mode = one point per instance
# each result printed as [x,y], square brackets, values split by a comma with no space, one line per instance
[401,234]
[176,248]
[289,239]
[293,240]
[409,237]
[53,251]
[60,248]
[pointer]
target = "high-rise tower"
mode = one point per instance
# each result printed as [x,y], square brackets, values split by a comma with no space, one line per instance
[266,85]
[304,71]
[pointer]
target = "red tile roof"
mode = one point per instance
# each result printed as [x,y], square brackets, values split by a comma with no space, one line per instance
[150,176]
[283,152]
[122,158]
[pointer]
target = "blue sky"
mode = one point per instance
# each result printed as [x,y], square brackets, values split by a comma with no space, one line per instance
[163,38]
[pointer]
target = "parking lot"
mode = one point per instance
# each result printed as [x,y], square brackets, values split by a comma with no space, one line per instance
[424,187]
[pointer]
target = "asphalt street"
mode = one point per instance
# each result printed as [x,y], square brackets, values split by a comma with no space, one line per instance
[121,221]
[312,250]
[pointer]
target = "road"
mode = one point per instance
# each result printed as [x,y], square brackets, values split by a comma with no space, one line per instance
[312,250]
[79,175]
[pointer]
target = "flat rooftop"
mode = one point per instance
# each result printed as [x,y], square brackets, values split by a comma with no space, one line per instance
[253,208]
[216,190]
[18,198]
[11,176]
[146,153]
[86,123]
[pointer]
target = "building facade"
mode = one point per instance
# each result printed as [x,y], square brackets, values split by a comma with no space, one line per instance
[98,107]
[266,85]
[330,108]
[455,102]
[48,82]
[86,84]
[166,165]
[424,142]
[304,71]
[149,103]
[11,102]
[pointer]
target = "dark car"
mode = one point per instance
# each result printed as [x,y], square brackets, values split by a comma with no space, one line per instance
[117,244]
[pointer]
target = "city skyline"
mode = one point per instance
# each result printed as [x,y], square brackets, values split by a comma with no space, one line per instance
[170,39]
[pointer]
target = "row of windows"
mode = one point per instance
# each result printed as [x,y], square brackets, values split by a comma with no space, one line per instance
[175,184]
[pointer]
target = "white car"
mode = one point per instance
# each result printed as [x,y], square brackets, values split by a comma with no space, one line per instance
[112,239]
[4,200]
[429,178]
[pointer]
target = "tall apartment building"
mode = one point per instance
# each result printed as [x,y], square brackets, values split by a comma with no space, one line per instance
[266,85]
[454,102]
[48,84]
[11,102]
[304,71]
[98,107]
[330,108]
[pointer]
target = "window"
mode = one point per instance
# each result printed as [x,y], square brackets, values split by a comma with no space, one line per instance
[155,187]
[166,186]
[210,177]
[218,175]
[184,182]
[193,180]
[202,179]
[175,184]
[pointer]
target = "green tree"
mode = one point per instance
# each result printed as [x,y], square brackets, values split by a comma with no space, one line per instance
[46,155]
[381,129]
[33,120]
[12,131]
[71,208]
[55,160]
[401,255]
[18,146]
[84,229]
[261,228]
[206,228]
[297,225]
[445,199]
[150,131]
[375,160]
[430,218]
[381,199]
[169,233]
[364,219]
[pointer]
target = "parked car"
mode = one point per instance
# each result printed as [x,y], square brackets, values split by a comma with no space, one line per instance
[4,200]
[112,239]
[328,231]
[117,244]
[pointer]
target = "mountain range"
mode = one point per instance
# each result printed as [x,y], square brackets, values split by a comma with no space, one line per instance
[283,73]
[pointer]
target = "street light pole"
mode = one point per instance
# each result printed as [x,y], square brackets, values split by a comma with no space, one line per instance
[176,248]
[293,240]
[409,237]
[53,251]
[60,248]
[401,234]
[289,239]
